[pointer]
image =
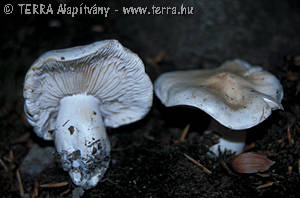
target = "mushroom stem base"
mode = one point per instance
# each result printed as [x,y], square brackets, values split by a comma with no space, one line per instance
[236,146]
[81,139]
[233,141]
[230,140]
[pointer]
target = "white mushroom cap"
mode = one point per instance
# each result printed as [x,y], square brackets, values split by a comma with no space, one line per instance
[105,70]
[237,95]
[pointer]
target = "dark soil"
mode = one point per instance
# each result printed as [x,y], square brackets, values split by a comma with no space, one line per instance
[146,158]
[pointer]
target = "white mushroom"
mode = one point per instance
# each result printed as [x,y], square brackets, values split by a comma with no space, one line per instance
[237,95]
[72,94]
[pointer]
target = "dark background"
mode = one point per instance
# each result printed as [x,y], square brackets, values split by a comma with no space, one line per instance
[145,160]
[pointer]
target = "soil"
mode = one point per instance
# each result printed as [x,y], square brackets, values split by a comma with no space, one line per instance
[147,160]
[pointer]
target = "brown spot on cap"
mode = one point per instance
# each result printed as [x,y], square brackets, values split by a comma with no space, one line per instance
[51,132]
[71,129]
[94,150]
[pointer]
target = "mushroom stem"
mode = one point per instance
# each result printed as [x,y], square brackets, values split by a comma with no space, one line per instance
[235,142]
[81,139]
[230,140]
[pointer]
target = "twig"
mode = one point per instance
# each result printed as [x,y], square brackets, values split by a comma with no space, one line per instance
[156,59]
[297,60]
[290,170]
[25,120]
[148,137]
[22,138]
[297,88]
[198,164]
[249,147]
[4,166]
[20,184]
[263,174]
[280,140]
[289,136]
[299,166]
[265,185]
[184,133]
[54,185]
[35,190]
[65,192]
[224,165]
[114,183]
[11,167]
[11,156]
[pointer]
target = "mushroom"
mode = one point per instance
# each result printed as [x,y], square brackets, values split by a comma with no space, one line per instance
[72,94]
[237,95]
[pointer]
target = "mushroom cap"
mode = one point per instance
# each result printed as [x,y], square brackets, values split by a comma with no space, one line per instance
[236,94]
[104,69]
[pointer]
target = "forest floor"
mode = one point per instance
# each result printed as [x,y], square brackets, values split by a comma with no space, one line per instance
[147,158]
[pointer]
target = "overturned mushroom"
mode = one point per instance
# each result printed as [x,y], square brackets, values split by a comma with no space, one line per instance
[72,94]
[237,95]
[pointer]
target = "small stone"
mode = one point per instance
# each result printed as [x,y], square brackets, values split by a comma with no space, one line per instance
[37,160]
[77,192]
